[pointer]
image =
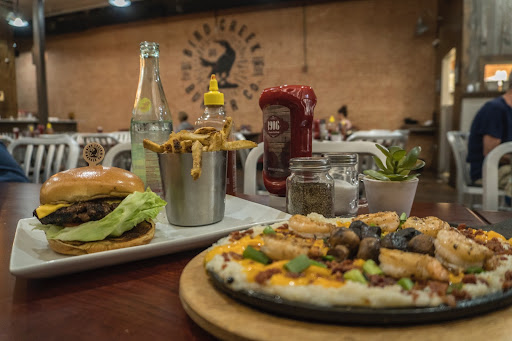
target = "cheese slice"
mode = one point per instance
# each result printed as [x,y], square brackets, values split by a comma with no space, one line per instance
[44,210]
[47,209]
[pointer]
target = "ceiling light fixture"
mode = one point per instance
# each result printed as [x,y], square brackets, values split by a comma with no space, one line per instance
[120,3]
[15,19]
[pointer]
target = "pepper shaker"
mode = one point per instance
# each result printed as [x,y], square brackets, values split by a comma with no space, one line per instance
[310,188]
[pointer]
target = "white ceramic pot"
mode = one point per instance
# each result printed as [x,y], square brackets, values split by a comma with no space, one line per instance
[395,196]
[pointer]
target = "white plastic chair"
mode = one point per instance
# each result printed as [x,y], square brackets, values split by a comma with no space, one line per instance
[40,158]
[6,140]
[491,193]
[119,156]
[242,153]
[362,147]
[386,138]
[459,144]
[105,139]
[121,136]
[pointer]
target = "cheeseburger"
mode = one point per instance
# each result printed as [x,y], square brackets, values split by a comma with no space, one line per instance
[96,208]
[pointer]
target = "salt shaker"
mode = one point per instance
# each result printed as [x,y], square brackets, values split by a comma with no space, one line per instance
[346,183]
[310,188]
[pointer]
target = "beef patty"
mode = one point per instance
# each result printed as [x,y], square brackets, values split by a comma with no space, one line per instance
[79,213]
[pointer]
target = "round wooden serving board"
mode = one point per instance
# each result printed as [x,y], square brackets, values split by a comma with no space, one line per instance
[229,320]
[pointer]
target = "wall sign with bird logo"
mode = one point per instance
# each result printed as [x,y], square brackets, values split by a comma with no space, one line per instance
[229,50]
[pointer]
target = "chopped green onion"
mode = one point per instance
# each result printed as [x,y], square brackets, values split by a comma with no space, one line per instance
[298,264]
[474,270]
[405,283]
[315,263]
[256,255]
[328,257]
[454,286]
[403,216]
[355,275]
[269,230]
[371,268]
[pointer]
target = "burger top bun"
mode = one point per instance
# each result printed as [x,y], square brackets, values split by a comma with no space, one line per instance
[89,183]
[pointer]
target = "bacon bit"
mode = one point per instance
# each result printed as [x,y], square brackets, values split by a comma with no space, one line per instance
[469,279]
[481,280]
[231,255]
[237,235]
[224,266]
[508,275]
[461,227]
[294,274]
[235,255]
[263,276]
[342,267]
[225,256]
[461,295]
[380,281]
[438,287]
[497,247]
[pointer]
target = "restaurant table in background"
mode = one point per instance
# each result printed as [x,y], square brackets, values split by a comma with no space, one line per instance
[136,300]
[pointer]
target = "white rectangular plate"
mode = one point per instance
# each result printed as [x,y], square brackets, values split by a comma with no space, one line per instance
[31,257]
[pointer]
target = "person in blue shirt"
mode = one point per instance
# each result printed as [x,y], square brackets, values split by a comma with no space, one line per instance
[491,126]
[10,171]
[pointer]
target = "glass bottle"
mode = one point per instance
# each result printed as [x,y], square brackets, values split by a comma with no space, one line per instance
[346,183]
[151,117]
[310,188]
[215,116]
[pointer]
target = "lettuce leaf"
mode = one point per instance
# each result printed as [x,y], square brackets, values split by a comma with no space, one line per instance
[135,208]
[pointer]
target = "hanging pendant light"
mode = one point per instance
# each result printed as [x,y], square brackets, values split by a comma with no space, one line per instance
[15,19]
[120,3]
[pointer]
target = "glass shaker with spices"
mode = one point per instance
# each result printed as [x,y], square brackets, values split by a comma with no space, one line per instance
[346,184]
[310,188]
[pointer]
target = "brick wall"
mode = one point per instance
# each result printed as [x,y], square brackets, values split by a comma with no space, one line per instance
[360,53]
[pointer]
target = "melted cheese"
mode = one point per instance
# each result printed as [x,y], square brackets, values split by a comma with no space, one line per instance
[238,246]
[44,210]
[313,275]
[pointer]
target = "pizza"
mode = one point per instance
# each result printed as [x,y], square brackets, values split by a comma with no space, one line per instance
[374,260]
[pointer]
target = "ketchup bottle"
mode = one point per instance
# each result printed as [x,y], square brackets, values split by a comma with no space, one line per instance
[287,131]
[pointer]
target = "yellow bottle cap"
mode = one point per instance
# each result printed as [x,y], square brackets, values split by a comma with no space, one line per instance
[331,119]
[48,125]
[213,97]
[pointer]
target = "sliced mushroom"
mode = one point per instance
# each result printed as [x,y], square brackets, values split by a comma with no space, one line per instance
[422,244]
[369,248]
[345,237]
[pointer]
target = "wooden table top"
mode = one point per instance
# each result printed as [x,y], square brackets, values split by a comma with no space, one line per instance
[137,300]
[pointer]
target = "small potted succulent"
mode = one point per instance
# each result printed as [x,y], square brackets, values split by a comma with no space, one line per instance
[393,187]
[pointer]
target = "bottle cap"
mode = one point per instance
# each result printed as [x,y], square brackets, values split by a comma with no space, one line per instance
[342,158]
[313,163]
[214,97]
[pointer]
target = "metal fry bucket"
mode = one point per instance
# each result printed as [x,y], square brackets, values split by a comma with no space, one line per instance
[193,202]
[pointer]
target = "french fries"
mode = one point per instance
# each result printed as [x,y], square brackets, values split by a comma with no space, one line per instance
[204,139]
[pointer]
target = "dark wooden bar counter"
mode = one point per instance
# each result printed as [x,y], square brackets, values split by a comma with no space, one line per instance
[137,300]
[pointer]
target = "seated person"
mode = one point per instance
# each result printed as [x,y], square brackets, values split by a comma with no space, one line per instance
[491,126]
[184,123]
[10,171]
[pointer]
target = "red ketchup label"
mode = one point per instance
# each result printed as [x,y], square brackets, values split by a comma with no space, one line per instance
[276,137]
